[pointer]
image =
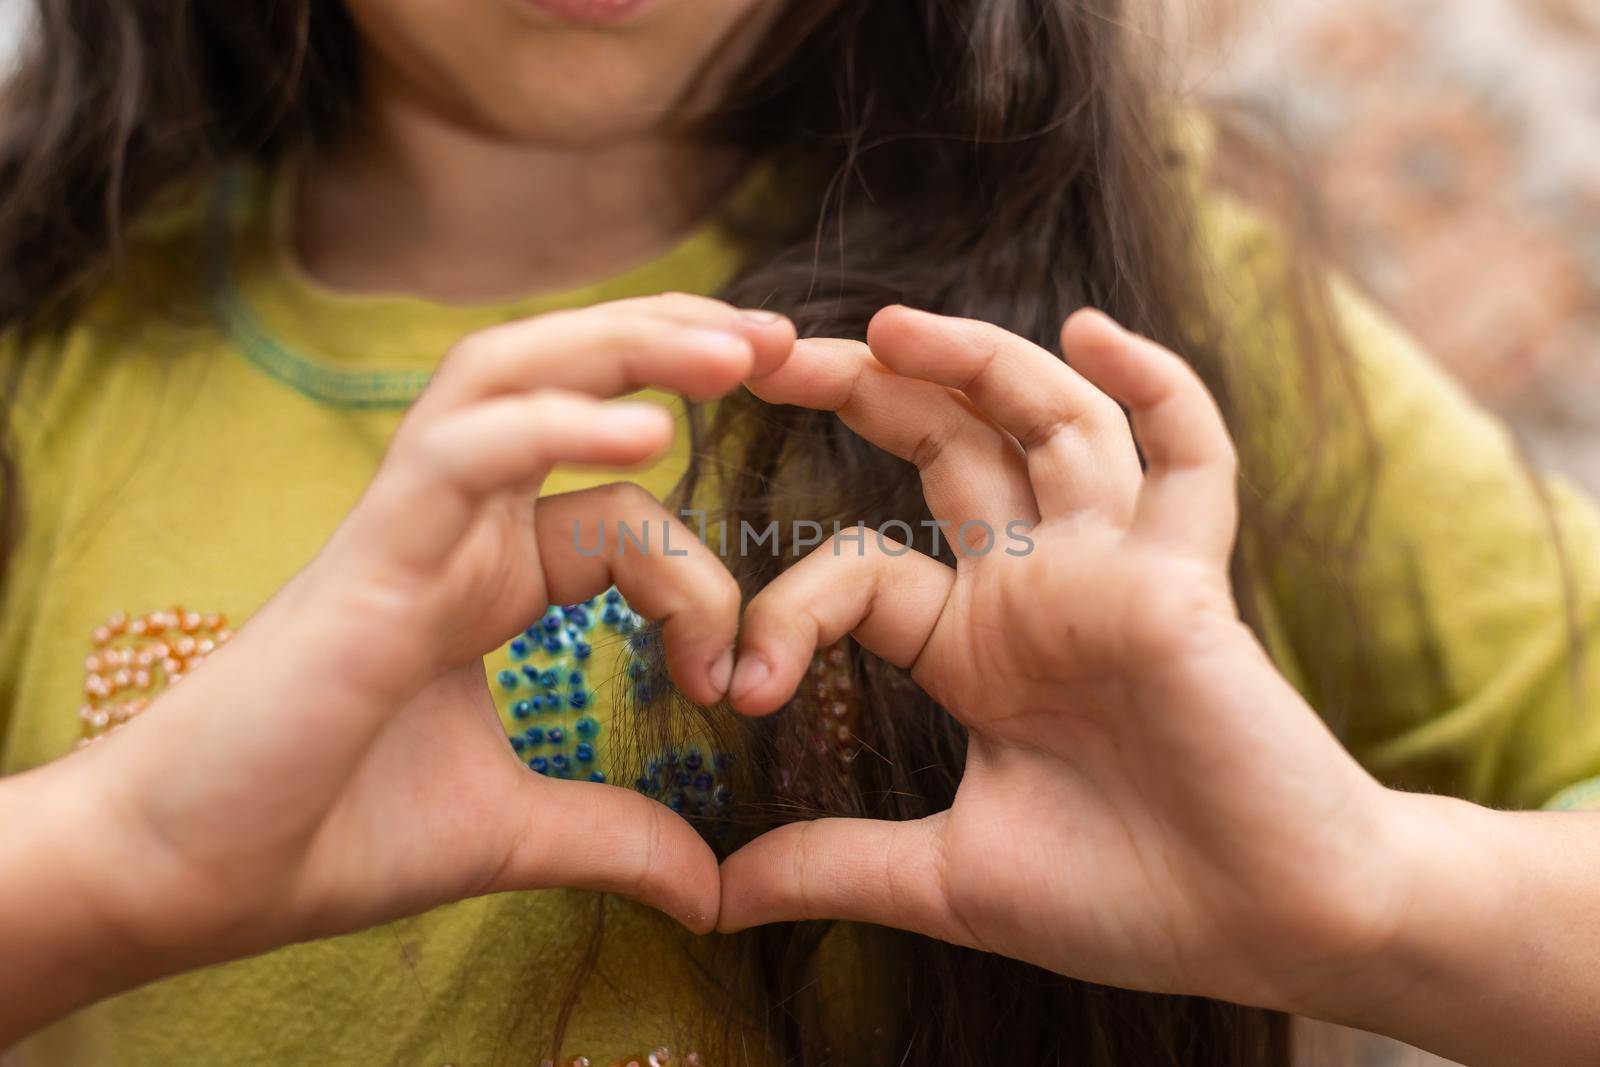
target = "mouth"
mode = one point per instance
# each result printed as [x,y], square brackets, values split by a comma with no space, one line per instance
[591,12]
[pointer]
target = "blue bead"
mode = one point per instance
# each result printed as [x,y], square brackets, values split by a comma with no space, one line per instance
[681,778]
[637,670]
[559,761]
[639,642]
[702,782]
[587,726]
[691,759]
[522,709]
[613,597]
[551,623]
[582,649]
[555,735]
[579,700]
[549,679]
[722,794]
[676,802]
[610,616]
[585,752]
[533,735]
[517,743]
[645,785]
[552,644]
[507,679]
[520,647]
[578,617]
[539,763]
[597,776]
[530,672]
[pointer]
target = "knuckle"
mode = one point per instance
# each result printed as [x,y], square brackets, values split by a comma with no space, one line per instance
[931,445]
[689,303]
[629,497]
[466,352]
[724,595]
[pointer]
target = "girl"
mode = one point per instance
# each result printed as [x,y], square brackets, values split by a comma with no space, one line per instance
[241,239]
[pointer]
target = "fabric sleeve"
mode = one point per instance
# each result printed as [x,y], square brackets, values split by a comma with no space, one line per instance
[1436,599]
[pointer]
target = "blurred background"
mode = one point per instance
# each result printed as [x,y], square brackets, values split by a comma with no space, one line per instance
[1455,145]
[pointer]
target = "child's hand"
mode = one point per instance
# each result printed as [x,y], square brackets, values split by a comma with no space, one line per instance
[341,762]
[1146,802]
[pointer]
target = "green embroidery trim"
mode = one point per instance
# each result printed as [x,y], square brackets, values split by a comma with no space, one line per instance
[1583,796]
[387,390]
[381,390]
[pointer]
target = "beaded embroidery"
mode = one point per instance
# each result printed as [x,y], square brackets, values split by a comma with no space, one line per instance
[548,704]
[836,717]
[134,658]
[547,701]
[661,1057]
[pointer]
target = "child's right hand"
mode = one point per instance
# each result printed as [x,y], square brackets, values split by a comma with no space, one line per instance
[341,762]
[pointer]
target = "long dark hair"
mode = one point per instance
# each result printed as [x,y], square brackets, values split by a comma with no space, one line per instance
[1011,160]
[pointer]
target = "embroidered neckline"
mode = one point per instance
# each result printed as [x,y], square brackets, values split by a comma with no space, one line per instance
[383,390]
[335,387]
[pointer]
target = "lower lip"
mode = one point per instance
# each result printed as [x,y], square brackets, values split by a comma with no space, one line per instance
[595,12]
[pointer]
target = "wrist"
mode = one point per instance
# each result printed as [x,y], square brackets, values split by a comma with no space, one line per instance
[1437,886]
[59,902]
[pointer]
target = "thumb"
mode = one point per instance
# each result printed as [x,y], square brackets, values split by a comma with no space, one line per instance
[585,835]
[861,870]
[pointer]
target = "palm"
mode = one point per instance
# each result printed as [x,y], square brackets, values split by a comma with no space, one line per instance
[425,809]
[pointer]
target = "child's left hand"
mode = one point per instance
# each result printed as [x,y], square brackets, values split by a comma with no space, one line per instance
[1146,802]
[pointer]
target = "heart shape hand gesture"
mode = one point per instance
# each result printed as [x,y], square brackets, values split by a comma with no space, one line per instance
[1146,802]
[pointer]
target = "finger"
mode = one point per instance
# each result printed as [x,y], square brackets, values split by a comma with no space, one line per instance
[687,344]
[620,535]
[1189,496]
[584,835]
[969,468]
[1079,451]
[435,477]
[875,588]
[857,870]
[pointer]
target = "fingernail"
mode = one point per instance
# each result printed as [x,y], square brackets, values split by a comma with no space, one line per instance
[750,673]
[722,671]
[761,316]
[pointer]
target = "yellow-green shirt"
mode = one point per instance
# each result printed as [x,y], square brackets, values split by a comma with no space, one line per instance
[196,462]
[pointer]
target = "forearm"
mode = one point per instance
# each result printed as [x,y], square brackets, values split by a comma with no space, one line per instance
[1494,956]
[57,950]
[88,894]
